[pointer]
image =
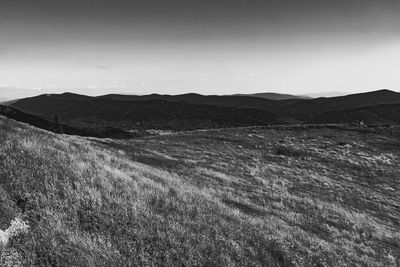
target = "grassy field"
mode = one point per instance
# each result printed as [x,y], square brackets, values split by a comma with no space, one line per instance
[233,197]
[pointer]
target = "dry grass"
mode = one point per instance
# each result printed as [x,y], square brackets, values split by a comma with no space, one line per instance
[245,197]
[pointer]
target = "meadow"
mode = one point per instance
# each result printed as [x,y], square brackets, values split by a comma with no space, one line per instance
[256,196]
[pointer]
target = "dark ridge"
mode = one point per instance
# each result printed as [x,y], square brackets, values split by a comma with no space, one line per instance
[214,100]
[55,127]
[156,114]
[195,111]
[306,110]
[374,115]
[275,96]
[68,95]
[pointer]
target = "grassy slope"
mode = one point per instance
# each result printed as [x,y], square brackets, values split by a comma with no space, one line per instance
[379,114]
[228,197]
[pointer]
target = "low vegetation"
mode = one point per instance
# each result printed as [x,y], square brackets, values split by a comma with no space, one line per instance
[233,197]
[99,112]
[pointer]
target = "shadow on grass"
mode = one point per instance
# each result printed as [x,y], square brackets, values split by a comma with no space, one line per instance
[245,208]
[290,152]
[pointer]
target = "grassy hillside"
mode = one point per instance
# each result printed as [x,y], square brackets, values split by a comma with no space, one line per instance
[374,115]
[236,197]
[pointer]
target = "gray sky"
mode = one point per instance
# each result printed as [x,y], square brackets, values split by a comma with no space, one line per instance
[204,46]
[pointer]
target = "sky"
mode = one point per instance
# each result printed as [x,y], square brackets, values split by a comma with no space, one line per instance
[204,46]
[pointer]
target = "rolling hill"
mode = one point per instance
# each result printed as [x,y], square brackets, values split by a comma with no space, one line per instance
[194,111]
[327,94]
[276,96]
[232,197]
[234,101]
[159,114]
[372,115]
[308,109]
[53,126]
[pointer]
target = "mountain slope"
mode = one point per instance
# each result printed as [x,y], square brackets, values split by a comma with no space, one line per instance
[87,206]
[194,111]
[237,197]
[275,96]
[215,100]
[327,94]
[308,109]
[51,125]
[129,114]
[373,115]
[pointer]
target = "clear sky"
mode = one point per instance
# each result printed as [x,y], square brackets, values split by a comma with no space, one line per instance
[203,46]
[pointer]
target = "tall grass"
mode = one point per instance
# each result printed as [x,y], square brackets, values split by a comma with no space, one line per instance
[90,203]
[89,207]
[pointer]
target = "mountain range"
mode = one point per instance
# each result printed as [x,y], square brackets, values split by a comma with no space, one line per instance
[147,112]
[195,111]
[309,109]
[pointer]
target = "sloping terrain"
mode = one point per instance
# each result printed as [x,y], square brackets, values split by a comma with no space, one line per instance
[7,102]
[244,102]
[373,115]
[235,197]
[308,109]
[276,96]
[53,126]
[194,111]
[160,114]
[235,101]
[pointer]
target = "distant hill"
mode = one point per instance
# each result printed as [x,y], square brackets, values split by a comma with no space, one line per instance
[234,101]
[299,109]
[159,114]
[69,96]
[275,96]
[308,109]
[327,94]
[12,92]
[373,115]
[6,102]
[51,125]
[194,111]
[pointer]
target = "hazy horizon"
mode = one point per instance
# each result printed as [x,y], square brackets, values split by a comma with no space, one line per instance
[13,93]
[207,47]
